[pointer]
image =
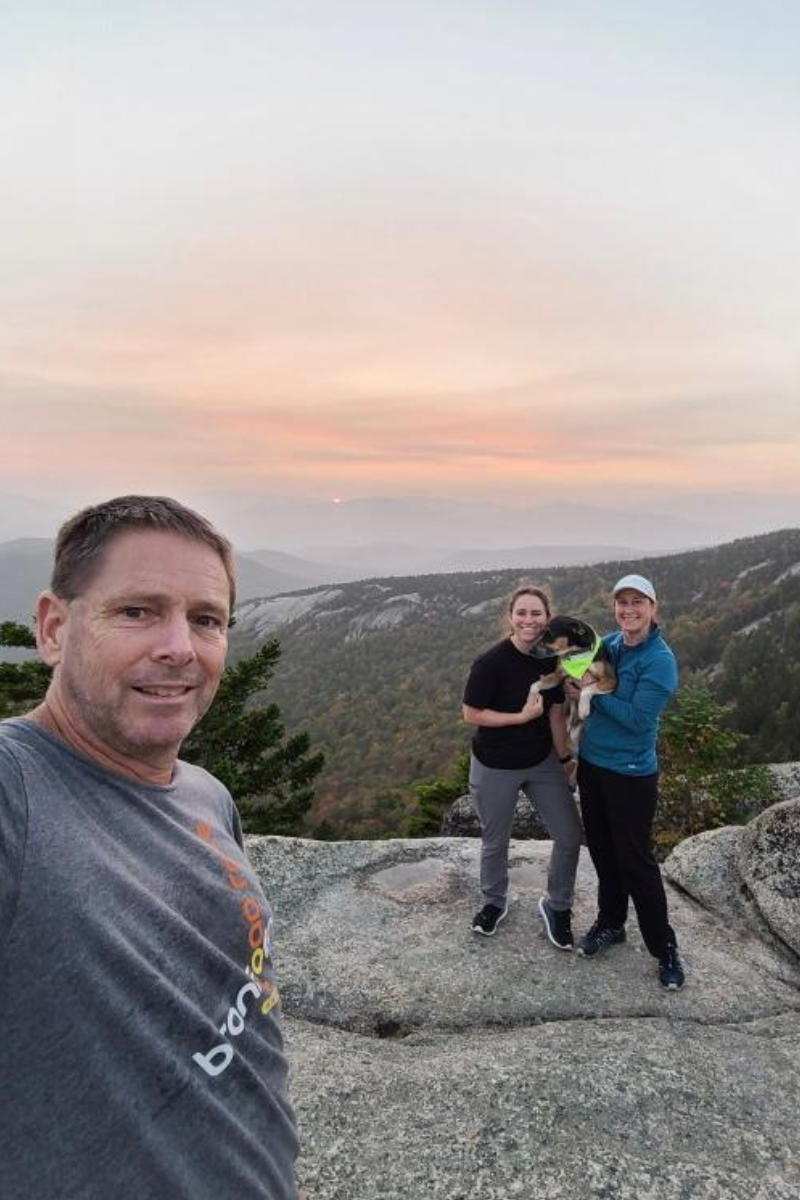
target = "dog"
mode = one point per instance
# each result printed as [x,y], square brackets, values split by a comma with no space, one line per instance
[579,652]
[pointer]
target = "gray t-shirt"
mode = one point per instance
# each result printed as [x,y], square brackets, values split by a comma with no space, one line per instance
[140,1051]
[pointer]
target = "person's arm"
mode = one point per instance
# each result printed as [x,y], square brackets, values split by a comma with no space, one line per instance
[561,744]
[639,714]
[652,693]
[558,730]
[489,718]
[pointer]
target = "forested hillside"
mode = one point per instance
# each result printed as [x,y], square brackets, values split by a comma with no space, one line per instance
[374,669]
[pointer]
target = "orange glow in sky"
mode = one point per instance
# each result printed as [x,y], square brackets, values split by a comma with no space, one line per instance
[401,250]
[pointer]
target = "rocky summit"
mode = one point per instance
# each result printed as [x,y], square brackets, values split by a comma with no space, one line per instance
[430,1062]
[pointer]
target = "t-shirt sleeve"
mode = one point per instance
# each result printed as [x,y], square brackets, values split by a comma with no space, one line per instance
[236,826]
[13,831]
[480,686]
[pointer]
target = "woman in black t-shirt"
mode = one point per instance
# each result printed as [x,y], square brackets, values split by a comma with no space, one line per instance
[520,743]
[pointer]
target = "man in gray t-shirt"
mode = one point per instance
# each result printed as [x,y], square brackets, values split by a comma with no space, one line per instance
[142,1055]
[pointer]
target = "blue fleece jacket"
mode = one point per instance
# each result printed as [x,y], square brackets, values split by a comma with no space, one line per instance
[622,728]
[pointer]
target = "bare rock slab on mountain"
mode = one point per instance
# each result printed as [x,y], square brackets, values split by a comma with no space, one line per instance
[769,863]
[428,1061]
[748,874]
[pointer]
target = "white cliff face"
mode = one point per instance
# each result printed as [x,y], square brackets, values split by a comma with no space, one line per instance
[428,1062]
[264,617]
[394,611]
[788,573]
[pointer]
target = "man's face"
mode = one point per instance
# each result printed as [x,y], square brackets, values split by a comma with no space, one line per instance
[138,656]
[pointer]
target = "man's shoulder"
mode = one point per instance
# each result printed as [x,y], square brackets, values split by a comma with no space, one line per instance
[193,773]
[13,822]
[16,744]
[12,730]
[192,778]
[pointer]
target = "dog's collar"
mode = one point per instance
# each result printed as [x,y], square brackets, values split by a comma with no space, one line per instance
[577,664]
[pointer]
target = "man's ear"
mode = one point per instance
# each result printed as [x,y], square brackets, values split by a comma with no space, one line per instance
[51,620]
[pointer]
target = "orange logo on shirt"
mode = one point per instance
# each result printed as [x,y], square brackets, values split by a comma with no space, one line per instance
[259,930]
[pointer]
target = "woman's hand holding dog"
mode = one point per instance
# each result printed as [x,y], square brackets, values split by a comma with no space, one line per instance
[574,687]
[533,708]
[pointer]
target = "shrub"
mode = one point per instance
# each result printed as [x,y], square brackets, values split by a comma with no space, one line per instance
[703,784]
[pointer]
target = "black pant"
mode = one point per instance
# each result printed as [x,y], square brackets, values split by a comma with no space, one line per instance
[618,813]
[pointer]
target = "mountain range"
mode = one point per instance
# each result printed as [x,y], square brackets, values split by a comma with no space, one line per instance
[374,669]
[25,565]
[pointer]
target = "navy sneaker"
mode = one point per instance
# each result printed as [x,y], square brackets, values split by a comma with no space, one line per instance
[670,970]
[558,924]
[600,937]
[487,920]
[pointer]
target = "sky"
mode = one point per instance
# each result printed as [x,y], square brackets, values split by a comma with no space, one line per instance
[426,248]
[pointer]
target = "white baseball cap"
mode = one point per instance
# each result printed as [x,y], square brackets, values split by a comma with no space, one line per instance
[637,583]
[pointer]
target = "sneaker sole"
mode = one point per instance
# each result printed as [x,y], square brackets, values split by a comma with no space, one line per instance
[491,932]
[550,937]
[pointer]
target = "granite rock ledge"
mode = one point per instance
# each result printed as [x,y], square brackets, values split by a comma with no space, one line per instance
[429,1062]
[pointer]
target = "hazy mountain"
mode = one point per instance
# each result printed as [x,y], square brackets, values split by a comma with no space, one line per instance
[24,571]
[619,516]
[533,557]
[25,566]
[310,529]
[374,669]
[256,577]
[325,570]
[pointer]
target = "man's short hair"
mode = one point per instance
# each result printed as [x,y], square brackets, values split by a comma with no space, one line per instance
[83,538]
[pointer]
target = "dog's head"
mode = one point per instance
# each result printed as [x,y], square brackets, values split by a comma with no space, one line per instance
[565,636]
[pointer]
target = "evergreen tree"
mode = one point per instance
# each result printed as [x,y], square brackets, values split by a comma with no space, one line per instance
[703,784]
[431,799]
[14,634]
[244,745]
[22,685]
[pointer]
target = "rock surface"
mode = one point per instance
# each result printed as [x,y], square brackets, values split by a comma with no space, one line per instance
[786,778]
[461,820]
[430,1062]
[749,873]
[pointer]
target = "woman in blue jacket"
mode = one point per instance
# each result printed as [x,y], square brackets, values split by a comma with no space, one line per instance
[618,781]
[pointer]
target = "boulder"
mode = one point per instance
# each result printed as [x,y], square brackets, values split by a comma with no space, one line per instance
[430,1062]
[769,864]
[749,875]
[707,868]
[786,779]
[461,820]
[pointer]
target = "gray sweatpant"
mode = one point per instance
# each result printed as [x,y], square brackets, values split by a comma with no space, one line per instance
[494,794]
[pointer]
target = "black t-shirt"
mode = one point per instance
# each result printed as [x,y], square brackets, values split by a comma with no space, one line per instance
[501,679]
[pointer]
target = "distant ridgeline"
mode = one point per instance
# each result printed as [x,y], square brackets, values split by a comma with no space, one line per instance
[374,670]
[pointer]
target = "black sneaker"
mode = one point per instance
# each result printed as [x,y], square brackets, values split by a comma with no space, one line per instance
[487,920]
[558,924]
[600,937]
[670,971]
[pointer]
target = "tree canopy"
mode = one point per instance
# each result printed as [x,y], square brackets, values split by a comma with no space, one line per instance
[244,744]
[239,740]
[22,685]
